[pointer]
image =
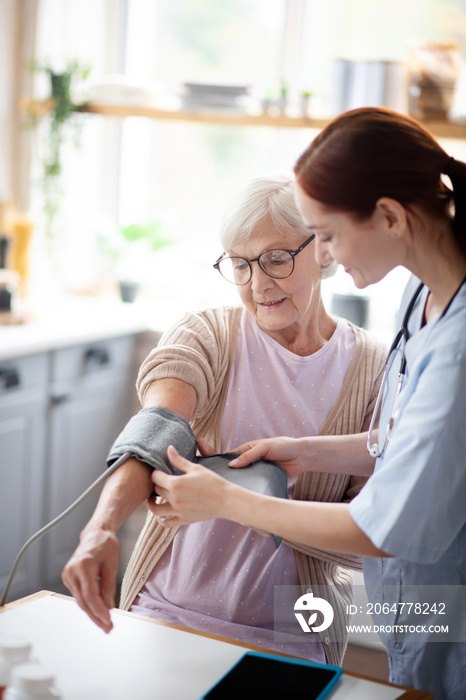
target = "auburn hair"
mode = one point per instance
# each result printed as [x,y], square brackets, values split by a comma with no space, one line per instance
[369,153]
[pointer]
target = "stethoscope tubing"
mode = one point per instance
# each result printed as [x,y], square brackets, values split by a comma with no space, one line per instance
[403,334]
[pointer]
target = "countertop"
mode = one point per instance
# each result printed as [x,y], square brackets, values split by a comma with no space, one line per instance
[166,660]
[72,322]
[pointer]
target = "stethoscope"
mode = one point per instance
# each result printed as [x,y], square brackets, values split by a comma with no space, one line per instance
[401,337]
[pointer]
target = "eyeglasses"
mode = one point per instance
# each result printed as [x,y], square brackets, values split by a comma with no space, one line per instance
[275,263]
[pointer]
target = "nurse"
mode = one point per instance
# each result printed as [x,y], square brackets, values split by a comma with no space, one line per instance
[378,191]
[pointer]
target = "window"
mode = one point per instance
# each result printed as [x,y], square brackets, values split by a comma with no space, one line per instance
[182,174]
[188,172]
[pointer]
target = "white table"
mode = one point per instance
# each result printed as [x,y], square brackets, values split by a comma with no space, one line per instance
[141,658]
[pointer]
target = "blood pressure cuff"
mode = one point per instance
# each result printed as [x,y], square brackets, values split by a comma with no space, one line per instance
[149,433]
[262,476]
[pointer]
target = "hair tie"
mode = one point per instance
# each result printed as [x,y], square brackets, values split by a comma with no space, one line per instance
[449,166]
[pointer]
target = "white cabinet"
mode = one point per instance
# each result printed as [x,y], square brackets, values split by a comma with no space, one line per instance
[89,404]
[23,409]
[60,411]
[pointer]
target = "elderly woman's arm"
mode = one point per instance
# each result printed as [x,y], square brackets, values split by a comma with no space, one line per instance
[91,572]
[185,374]
[201,495]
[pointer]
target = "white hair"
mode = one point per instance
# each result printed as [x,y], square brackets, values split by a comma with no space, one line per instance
[269,196]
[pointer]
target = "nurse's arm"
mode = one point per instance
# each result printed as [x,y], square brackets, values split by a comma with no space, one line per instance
[325,526]
[335,454]
[201,495]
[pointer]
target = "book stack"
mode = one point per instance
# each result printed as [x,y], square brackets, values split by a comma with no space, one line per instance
[368,84]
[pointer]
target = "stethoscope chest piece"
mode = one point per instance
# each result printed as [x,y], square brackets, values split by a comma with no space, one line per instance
[374,450]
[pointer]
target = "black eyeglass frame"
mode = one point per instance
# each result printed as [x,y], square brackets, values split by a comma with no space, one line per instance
[293,254]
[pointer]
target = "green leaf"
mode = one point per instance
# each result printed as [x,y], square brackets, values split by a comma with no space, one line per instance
[151,232]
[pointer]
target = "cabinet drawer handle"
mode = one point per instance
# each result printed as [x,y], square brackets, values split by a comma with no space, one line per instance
[57,399]
[9,377]
[99,356]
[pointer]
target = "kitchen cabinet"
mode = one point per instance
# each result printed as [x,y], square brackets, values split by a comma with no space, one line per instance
[89,405]
[59,414]
[23,418]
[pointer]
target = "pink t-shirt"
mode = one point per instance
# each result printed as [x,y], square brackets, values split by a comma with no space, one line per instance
[218,576]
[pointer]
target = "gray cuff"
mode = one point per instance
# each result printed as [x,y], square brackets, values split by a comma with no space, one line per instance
[148,434]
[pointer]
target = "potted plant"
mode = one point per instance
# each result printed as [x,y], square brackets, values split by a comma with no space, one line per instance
[305,102]
[133,243]
[284,95]
[62,122]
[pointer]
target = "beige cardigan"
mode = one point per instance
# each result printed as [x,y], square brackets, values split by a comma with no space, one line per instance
[200,350]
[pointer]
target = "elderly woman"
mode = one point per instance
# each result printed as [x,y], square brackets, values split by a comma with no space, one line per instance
[277,365]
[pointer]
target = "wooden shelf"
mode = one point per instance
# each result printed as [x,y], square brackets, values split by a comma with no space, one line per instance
[440,129]
[38,108]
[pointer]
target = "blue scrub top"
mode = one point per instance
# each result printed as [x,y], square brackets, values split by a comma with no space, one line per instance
[414,505]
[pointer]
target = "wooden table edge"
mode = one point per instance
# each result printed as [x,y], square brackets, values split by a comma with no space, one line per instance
[409,694]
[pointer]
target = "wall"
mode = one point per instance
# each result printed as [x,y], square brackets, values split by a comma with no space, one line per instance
[17,42]
[7,13]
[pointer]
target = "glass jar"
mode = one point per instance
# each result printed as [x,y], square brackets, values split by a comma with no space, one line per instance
[30,682]
[434,68]
[14,650]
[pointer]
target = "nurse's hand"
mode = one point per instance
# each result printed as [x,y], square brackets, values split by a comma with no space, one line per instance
[199,494]
[287,452]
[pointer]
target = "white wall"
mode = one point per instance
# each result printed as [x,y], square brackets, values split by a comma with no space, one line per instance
[7,13]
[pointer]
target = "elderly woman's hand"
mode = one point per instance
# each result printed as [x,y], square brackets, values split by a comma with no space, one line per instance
[287,452]
[204,448]
[198,494]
